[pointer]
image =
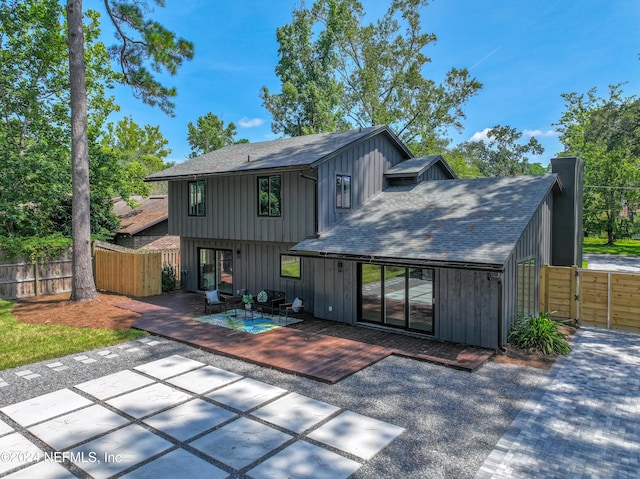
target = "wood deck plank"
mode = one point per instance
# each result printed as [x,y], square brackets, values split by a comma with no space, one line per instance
[318,349]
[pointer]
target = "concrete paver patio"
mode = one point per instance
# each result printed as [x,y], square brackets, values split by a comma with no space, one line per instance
[177,417]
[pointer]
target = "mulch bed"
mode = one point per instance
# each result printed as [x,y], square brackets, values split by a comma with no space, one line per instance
[57,309]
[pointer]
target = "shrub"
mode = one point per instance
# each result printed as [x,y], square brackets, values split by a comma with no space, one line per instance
[169,278]
[539,333]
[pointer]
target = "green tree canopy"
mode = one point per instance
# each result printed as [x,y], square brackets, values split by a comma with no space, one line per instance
[140,151]
[337,71]
[605,133]
[209,133]
[502,154]
[145,44]
[35,179]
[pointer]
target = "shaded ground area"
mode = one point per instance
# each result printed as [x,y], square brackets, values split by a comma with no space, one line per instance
[305,348]
[103,313]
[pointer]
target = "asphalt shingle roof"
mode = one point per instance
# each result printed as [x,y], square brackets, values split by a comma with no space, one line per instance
[292,152]
[465,221]
[148,212]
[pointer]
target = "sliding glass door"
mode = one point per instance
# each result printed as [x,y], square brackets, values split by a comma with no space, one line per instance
[420,297]
[395,292]
[216,270]
[371,293]
[396,296]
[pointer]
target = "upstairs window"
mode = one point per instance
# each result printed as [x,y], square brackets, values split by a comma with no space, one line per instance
[196,198]
[343,191]
[269,196]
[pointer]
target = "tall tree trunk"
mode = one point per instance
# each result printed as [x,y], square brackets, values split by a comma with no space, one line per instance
[83,286]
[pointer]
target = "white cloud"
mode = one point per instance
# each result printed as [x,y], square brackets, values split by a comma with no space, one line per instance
[540,133]
[250,122]
[484,134]
[481,135]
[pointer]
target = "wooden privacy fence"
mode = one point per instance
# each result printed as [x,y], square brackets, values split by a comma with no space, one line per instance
[135,273]
[22,279]
[603,299]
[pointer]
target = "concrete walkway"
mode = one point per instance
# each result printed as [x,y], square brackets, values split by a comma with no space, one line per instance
[584,421]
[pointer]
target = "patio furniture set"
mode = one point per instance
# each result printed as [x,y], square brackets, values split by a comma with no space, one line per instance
[267,300]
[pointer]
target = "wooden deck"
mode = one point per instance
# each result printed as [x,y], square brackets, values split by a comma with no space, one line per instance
[323,350]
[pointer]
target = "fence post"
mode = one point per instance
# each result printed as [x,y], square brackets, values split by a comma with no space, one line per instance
[36,278]
[609,300]
[575,294]
[544,288]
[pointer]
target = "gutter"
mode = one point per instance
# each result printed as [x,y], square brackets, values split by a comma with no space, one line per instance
[196,175]
[483,267]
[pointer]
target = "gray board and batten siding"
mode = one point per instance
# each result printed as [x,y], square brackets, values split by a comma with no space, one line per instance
[365,163]
[231,195]
[535,243]
[231,218]
[256,266]
[231,210]
[465,301]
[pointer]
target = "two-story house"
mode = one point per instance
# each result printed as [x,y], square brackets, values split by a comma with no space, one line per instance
[367,234]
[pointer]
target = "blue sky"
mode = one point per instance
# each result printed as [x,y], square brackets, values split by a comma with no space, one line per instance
[526,53]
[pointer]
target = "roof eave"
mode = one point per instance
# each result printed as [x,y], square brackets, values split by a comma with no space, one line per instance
[411,262]
[140,228]
[197,176]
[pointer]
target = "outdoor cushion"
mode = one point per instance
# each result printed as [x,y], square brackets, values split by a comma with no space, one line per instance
[262,296]
[212,296]
[296,305]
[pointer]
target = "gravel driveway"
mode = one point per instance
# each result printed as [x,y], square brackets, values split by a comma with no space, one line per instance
[452,419]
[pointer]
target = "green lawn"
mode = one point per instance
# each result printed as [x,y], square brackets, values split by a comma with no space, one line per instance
[622,247]
[27,343]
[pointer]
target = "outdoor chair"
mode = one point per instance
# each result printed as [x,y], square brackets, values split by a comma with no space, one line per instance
[211,300]
[270,300]
[291,310]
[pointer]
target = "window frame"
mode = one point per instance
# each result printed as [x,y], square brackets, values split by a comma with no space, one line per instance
[526,279]
[193,209]
[299,260]
[340,192]
[269,179]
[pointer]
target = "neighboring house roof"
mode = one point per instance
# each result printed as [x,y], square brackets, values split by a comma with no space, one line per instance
[150,212]
[164,243]
[417,166]
[475,221]
[296,152]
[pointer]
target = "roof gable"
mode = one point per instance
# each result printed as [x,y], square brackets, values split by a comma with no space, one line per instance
[463,221]
[415,167]
[295,152]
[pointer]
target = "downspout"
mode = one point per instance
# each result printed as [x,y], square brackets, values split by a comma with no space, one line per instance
[500,345]
[498,277]
[315,202]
